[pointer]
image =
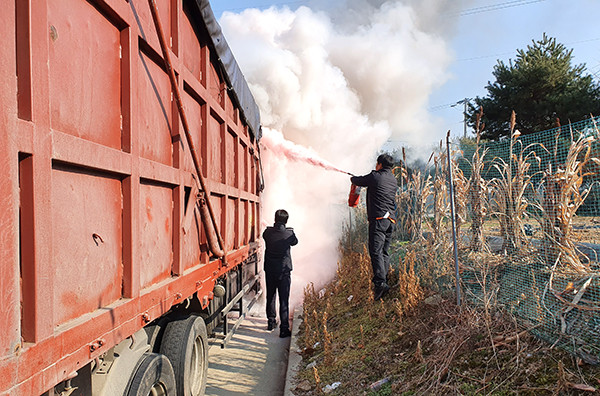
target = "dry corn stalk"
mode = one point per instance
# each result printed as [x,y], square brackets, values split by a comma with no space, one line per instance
[510,194]
[412,204]
[461,190]
[511,202]
[562,196]
[440,197]
[478,188]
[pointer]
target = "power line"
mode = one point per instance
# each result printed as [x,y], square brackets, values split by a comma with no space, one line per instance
[220,10]
[441,107]
[470,11]
[583,41]
[483,57]
[595,70]
[510,53]
[495,7]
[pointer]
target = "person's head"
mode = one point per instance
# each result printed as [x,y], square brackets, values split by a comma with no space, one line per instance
[281,216]
[385,161]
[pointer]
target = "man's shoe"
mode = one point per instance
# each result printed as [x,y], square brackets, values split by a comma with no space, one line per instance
[381,291]
[284,333]
[271,325]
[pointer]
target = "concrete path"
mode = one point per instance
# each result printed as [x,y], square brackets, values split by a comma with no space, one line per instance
[253,363]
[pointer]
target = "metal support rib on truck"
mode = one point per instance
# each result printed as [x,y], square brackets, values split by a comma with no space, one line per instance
[113,278]
[208,219]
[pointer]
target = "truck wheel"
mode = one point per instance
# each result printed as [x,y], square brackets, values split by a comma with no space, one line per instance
[185,343]
[153,376]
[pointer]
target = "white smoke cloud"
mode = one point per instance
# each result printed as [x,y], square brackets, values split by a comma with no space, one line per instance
[394,67]
[340,81]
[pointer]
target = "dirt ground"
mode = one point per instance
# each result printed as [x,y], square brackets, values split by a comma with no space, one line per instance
[585,229]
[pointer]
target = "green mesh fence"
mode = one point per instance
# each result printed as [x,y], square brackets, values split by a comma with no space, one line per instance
[527,230]
[545,151]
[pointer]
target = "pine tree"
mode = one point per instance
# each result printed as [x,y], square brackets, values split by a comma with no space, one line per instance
[541,86]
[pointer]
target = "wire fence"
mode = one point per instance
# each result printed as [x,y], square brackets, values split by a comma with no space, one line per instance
[528,236]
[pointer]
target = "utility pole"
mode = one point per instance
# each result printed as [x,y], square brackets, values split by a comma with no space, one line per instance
[464,102]
[465,117]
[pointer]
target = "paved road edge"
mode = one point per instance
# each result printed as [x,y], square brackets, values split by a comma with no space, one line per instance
[294,357]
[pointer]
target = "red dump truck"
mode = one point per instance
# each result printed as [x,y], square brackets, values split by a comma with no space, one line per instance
[130,196]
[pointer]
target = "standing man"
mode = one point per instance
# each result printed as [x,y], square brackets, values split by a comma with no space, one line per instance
[381,207]
[278,266]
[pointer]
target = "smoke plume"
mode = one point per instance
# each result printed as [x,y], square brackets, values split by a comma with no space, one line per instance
[340,81]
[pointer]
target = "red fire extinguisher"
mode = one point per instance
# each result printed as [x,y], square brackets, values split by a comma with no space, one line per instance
[354,196]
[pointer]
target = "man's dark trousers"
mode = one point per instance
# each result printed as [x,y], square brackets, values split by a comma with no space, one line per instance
[380,235]
[280,283]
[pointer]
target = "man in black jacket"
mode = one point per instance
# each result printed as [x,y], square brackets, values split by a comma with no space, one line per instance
[381,208]
[278,266]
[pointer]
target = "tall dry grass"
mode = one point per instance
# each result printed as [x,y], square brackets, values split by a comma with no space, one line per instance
[410,291]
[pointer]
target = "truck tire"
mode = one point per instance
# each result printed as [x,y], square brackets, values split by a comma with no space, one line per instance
[185,343]
[153,376]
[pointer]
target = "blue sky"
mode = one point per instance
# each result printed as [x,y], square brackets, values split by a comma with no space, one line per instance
[485,31]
